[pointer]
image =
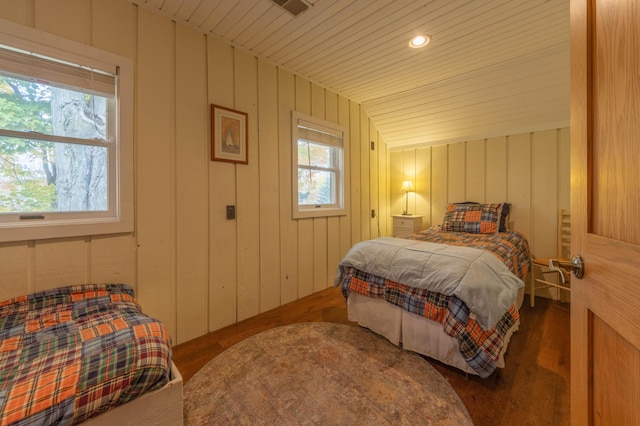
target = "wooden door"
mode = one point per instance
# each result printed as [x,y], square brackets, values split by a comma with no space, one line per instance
[605,191]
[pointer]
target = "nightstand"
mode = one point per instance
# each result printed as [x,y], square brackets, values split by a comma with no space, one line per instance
[404,225]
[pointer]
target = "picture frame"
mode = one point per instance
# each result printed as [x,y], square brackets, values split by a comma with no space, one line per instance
[229,130]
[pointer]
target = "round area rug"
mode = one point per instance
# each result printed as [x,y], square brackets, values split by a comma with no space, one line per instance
[320,373]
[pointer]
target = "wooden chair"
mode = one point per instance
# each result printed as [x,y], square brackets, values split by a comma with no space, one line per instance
[554,271]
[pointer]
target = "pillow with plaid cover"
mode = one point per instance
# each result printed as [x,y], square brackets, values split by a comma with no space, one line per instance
[472,218]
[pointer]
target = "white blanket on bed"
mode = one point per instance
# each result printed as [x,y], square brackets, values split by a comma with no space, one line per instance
[475,276]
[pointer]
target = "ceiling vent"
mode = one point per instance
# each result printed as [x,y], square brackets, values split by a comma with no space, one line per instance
[294,7]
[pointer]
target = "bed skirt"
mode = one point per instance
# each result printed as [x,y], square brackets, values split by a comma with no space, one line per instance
[415,333]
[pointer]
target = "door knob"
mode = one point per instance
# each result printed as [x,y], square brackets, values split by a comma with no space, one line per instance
[578,267]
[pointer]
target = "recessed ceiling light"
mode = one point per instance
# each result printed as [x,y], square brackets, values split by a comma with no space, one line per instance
[419,41]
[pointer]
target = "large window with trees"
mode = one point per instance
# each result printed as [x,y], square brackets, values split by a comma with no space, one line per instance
[318,167]
[65,139]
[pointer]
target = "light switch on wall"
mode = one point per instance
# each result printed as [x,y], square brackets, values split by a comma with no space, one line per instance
[231,212]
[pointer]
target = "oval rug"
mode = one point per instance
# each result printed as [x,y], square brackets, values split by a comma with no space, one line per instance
[320,373]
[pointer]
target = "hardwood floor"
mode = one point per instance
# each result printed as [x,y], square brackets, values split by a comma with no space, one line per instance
[533,388]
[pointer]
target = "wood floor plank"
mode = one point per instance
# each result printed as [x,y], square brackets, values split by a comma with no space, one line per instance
[532,389]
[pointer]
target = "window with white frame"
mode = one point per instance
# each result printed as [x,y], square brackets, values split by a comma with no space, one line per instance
[65,138]
[318,167]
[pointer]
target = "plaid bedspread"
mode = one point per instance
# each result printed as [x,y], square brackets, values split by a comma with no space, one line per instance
[511,247]
[70,353]
[479,347]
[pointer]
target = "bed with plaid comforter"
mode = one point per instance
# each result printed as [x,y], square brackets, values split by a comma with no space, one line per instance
[480,347]
[71,353]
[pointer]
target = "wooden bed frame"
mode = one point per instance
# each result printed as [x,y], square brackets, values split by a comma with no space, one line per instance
[162,406]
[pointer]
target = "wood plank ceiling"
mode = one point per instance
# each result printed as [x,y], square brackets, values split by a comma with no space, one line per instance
[493,67]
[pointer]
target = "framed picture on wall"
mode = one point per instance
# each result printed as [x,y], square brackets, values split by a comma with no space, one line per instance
[228,135]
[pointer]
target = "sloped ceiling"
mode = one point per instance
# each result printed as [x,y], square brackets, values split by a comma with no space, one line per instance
[493,67]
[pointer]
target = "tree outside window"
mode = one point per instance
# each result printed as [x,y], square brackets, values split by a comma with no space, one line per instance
[37,175]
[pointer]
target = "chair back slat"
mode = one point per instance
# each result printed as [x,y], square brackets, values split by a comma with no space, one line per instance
[564,234]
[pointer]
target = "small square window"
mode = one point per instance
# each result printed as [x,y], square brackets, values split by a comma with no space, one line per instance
[318,166]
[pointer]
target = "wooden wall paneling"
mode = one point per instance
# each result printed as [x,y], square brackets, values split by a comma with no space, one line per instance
[475,171]
[15,266]
[155,170]
[374,185]
[345,221]
[383,218]
[564,171]
[438,183]
[113,26]
[356,182]
[305,226]
[544,193]
[192,162]
[113,259]
[248,189]
[456,174]
[409,169]
[288,226]
[60,262]
[496,177]
[66,18]
[320,260]
[333,223]
[318,102]
[396,197]
[365,170]
[320,237]
[19,11]
[423,184]
[223,252]
[269,186]
[334,252]
[519,181]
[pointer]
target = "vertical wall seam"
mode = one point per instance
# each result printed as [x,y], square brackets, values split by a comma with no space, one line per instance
[279,216]
[257,146]
[533,201]
[235,192]
[31,266]
[135,236]
[174,179]
[88,270]
[207,265]
[506,169]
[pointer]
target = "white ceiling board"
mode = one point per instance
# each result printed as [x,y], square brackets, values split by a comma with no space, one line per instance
[170,7]
[493,66]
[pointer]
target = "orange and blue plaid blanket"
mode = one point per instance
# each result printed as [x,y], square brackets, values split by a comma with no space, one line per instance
[479,347]
[511,247]
[71,353]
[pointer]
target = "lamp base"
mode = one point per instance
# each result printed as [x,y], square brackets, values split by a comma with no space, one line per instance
[406,214]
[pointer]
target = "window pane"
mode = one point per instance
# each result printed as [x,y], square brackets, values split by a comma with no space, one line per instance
[303,153]
[28,106]
[37,176]
[315,187]
[321,155]
[315,155]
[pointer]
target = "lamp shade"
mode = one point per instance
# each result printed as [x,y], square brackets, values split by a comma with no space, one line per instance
[407,186]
